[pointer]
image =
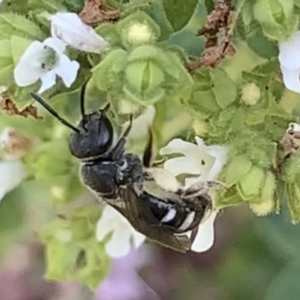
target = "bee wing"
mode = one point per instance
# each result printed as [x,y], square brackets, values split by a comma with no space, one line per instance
[142,220]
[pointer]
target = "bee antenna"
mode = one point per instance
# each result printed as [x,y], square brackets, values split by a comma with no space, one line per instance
[53,112]
[82,99]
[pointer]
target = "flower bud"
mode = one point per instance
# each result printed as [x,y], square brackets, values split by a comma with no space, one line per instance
[250,184]
[138,29]
[250,93]
[200,127]
[70,29]
[262,209]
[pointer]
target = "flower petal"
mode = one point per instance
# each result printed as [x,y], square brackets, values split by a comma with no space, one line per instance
[180,146]
[221,154]
[107,222]
[291,79]
[119,245]
[205,235]
[48,80]
[56,44]
[69,28]
[184,165]
[289,52]
[12,173]
[67,69]
[138,238]
[29,68]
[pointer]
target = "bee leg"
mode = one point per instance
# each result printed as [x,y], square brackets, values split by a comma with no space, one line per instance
[118,150]
[148,152]
[200,188]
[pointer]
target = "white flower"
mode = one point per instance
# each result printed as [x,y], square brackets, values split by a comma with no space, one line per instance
[206,162]
[12,173]
[124,236]
[70,29]
[44,61]
[289,58]
[293,127]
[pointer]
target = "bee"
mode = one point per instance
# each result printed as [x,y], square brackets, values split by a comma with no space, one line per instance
[129,184]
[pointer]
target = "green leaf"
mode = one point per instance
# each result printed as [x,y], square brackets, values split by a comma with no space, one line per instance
[18,47]
[155,10]
[262,46]
[238,167]
[14,24]
[179,14]
[223,87]
[6,63]
[286,284]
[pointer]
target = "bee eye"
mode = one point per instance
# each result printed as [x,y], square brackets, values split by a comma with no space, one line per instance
[123,165]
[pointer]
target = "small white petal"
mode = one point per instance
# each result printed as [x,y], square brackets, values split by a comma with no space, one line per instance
[165,178]
[56,44]
[184,165]
[29,68]
[12,173]
[220,153]
[48,80]
[291,79]
[138,238]
[119,244]
[69,28]
[289,52]
[205,235]
[180,146]
[67,70]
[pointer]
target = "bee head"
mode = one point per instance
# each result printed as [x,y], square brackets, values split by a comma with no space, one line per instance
[94,134]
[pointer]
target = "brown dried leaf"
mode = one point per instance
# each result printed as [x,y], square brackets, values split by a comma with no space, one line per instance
[94,13]
[11,109]
[216,31]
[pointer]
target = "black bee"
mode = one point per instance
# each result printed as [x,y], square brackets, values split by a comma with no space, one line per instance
[125,182]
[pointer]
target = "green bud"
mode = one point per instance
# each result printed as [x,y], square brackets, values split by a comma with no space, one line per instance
[144,76]
[107,74]
[237,168]
[250,93]
[250,184]
[264,204]
[262,209]
[137,29]
[200,127]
